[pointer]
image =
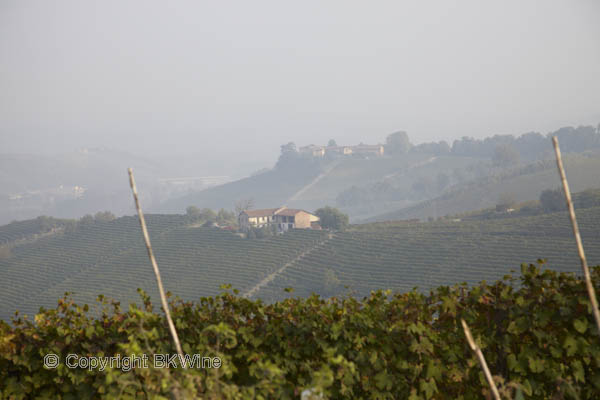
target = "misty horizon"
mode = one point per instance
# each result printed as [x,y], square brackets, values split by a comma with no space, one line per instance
[220,81]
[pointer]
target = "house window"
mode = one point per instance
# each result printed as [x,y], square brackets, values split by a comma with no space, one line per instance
[291,219]
[290,226]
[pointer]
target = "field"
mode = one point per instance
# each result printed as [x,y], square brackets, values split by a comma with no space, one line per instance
[109,258]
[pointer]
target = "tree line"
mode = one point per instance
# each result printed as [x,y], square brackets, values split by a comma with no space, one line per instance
[528,146]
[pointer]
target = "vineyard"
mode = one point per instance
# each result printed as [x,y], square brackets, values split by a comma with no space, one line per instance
[525,183]
[110,258]
[401,255]
[537,334]
[26,229]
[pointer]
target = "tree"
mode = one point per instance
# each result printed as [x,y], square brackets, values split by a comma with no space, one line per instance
[85,221]
[192,211]
[505,202]
[438,149]
[332,218]
[332,143]
[105,216]
[208,215]
[243,205]
[553,200]
[397,143]
[226,217]
[505,155]
[289,155]
[45,223]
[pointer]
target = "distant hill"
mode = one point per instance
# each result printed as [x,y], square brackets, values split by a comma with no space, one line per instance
[109,257]
[314,185]
[71,185]
[522,184]
[32,228]
[267,189]
[408,181]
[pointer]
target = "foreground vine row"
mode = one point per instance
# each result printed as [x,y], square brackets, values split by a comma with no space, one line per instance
[536,332]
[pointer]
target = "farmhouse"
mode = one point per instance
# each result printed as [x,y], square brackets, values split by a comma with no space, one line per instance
[283,218]
[315,151]
[361,149]
[376,150]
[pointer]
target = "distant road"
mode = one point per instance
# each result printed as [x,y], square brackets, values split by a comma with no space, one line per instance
[330,167]
[256,288]
[300,192]
[415,165]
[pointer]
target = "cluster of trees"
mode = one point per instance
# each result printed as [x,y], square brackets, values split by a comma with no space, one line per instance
[332,218]
[550,200]
[262,232]
[46,224]
[532,145]
[422,187]
[89,220]
[553,200]
[208,216]
[293,166]
[505,150]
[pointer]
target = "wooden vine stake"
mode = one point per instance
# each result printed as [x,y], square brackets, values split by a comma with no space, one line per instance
[481,358]
[584,266]
[161,290]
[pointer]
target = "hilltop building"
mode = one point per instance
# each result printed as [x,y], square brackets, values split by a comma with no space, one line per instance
[315,151]
[283,218]
[361,149]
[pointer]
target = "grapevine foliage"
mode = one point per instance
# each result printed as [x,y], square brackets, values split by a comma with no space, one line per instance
[536,332]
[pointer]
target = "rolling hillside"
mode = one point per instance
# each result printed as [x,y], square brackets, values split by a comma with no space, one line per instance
[401,172]
[109,258]
[523,184]
[318,184]
[268,189]
[402,255]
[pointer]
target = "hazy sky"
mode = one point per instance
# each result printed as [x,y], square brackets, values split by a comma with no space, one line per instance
[243,77]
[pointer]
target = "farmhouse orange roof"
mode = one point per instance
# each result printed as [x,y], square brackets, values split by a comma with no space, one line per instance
[260,213]
[290,212]
[273,211]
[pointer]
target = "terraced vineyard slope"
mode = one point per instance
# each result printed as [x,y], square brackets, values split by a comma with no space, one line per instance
[401,255]
[110,258]
[20,230]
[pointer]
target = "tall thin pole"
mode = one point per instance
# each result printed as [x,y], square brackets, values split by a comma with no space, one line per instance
[161,290]
[481,358]
[584,266]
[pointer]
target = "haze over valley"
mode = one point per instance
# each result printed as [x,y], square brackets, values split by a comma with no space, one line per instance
[319,198]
